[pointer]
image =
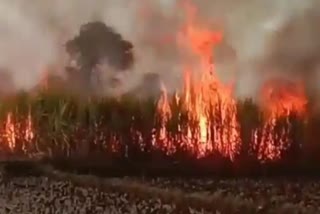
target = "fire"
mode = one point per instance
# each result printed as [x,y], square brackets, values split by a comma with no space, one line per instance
[211,104]
[280,99]
[15,131]
[164,108]
[207,120]
[283,97]
[205,99]
[29,134]
[10,132]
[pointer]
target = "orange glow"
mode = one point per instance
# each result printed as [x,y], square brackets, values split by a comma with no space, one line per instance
[205,100]
[279,100]
[14,131]
[212,106]
[282,97]
[207,122]
[10,132]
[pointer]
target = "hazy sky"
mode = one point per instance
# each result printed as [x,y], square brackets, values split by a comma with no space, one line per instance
[33,34]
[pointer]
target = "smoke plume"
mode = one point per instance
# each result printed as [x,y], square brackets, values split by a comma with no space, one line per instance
[274,37]
[294,50]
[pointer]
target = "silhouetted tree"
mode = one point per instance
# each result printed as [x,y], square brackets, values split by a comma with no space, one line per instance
[97,43]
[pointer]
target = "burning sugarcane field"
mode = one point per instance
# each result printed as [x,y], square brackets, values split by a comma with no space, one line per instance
[159,106]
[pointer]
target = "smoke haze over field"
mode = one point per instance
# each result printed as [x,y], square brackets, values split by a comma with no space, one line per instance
[33,34]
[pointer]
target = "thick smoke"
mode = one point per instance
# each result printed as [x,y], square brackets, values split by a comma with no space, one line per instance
[33,35]
[257,33]
[25,47]
[294,50]
[253,28]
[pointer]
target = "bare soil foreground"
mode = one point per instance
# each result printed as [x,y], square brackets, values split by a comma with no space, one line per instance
[36,188]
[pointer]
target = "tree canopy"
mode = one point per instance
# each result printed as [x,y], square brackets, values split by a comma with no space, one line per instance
[97,43]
